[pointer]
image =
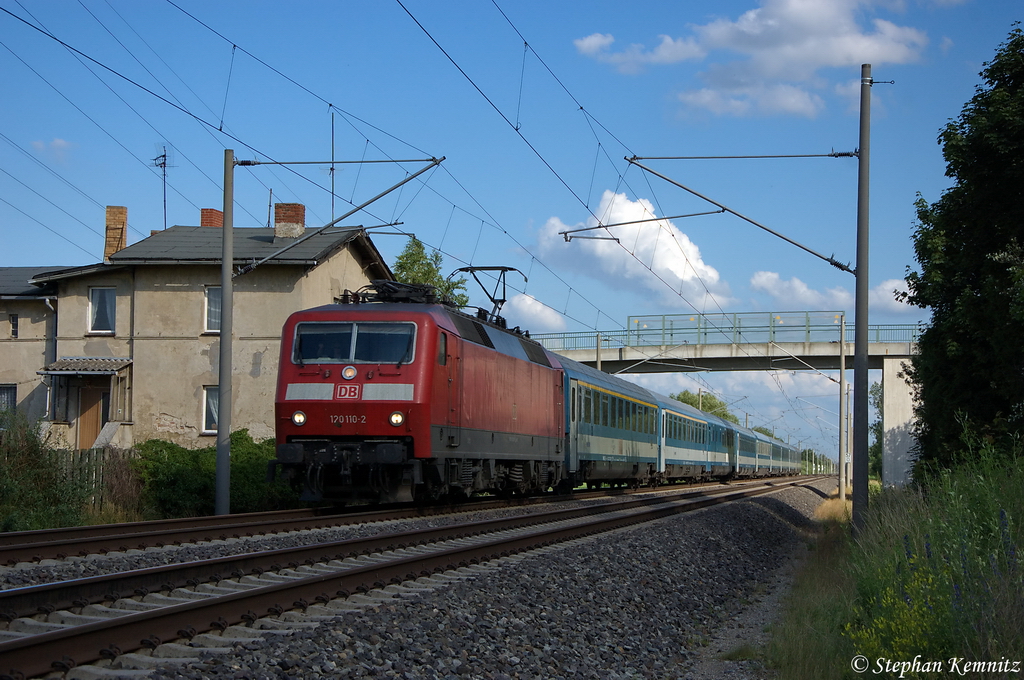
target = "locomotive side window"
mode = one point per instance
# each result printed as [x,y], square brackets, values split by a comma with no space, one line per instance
[343,342]
[442,350]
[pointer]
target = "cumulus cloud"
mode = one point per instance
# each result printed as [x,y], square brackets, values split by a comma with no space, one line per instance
[796,294]
[779,50]
[883,297]
[656,246]
[631,60]
[530,314]
[57,148]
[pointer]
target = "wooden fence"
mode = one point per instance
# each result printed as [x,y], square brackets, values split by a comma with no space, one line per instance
[104,473]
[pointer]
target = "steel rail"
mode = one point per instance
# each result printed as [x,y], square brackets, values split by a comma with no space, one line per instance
[45,597]
[33,546]
[62,649]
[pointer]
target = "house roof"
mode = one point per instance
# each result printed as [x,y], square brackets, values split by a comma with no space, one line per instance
[14,282]
[181,245]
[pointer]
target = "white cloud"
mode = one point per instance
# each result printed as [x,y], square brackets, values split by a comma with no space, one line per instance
[58,148]
[882,298]
[593,45]
[530,314]
[795,294]
[779,49]
[669,51]
[658,247]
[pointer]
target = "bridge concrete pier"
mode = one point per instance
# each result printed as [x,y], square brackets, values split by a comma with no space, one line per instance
[897,420]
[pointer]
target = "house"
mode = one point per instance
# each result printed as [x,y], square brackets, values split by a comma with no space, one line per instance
[27,314]
[128,349]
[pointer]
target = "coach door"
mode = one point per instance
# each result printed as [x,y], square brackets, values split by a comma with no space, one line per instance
[575,403]
[662,422]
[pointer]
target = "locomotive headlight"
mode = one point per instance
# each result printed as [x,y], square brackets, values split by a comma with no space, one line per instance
[348,372]
[299,418]
[396,418]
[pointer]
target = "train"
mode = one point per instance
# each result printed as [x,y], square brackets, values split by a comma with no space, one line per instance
[395,395]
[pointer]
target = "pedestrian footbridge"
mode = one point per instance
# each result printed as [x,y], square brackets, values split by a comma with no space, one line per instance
[757,341]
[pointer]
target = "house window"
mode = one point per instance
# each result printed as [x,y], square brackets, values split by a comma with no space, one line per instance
[14,325]
[213,308]
[211,406]
[102,310]
[8,397]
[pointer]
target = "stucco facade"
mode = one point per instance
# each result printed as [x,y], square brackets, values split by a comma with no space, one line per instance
[26,331]
[130,350]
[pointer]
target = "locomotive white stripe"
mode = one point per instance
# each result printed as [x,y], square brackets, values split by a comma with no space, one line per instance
[387,392]
[309,391]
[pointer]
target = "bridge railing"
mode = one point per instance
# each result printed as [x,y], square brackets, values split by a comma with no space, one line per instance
[717,329]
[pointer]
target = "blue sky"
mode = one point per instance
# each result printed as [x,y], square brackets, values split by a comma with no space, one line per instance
[534,137]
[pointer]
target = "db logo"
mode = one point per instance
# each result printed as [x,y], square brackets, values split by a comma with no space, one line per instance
[347,392]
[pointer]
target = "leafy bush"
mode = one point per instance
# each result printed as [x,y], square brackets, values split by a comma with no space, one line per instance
[937,570]
[38,485]
[180,482]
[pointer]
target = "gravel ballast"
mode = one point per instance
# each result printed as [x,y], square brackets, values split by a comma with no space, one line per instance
[640,602]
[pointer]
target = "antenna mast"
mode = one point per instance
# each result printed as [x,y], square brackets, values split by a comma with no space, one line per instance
[161,162]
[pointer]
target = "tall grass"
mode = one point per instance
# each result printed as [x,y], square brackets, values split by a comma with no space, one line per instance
[38,487]
[807,643]
[934,572]
[937,569]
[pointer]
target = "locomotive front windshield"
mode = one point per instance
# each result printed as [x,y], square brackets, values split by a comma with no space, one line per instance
[354,343]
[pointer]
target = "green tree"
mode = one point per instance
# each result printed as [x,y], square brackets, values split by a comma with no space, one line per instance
[706,402]
[765,431]
[968,244]
[414,265]
[875,432]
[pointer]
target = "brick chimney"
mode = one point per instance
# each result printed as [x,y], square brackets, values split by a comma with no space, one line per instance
[211,217]
[117,230]
[289,220]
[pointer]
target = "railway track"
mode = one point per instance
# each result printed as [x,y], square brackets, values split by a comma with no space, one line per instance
[58,625]
[35,546]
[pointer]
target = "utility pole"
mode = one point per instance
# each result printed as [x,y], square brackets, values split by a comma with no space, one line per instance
[222,502]
[843,422]
[860,348]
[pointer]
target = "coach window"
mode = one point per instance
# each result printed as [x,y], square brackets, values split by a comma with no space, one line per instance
[586,405]
[442,349]
[604,410]
[102,306]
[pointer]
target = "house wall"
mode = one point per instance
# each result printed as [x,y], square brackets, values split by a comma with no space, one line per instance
[21,357]
[73,336]
[174,359]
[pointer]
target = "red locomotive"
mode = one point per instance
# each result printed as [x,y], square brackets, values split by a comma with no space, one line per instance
[389,401]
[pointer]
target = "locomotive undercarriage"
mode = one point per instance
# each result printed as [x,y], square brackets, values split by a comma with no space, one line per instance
[384,471]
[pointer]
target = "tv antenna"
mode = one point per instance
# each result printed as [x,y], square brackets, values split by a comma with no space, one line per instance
[163,161]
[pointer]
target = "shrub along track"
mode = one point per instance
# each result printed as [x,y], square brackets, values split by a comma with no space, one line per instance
[184,600]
